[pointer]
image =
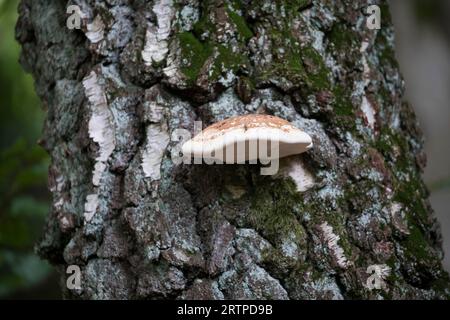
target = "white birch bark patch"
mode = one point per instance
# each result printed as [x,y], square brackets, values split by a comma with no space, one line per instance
[157,142]
[95,30]
[101,131]
[157,36]
[332,244]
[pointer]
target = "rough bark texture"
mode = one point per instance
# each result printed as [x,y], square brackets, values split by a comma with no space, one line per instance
[140,226]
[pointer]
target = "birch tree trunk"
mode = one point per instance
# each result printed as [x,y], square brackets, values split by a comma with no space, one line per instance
[140,226]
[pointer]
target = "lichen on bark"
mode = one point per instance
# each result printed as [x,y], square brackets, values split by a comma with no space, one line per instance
[166,230]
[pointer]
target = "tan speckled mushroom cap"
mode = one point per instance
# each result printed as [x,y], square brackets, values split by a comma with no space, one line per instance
[240,133]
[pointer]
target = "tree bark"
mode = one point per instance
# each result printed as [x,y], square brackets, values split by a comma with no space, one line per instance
[141,226]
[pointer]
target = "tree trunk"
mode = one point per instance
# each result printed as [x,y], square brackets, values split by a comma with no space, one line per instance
[139,225]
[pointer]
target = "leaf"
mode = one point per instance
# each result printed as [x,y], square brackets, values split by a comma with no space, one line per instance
[24,270]
[28,207]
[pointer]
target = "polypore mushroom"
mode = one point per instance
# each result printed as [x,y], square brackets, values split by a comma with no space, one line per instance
[247,138]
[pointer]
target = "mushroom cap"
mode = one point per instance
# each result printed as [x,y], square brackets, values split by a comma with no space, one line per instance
[234,133]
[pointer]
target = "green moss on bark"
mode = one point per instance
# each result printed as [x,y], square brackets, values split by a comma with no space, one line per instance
[241,25]
[194,53]
[273,209]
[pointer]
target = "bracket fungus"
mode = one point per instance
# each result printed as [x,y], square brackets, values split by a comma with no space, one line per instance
[249,138]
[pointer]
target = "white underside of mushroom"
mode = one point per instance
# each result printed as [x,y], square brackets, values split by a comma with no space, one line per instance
[302,177]
[240,145]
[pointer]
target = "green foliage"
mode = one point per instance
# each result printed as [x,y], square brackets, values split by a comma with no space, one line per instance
[23,206]
[24,199]
[28,270]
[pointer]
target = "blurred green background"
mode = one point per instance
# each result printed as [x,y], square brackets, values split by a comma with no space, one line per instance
[422,32]
[24,198]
